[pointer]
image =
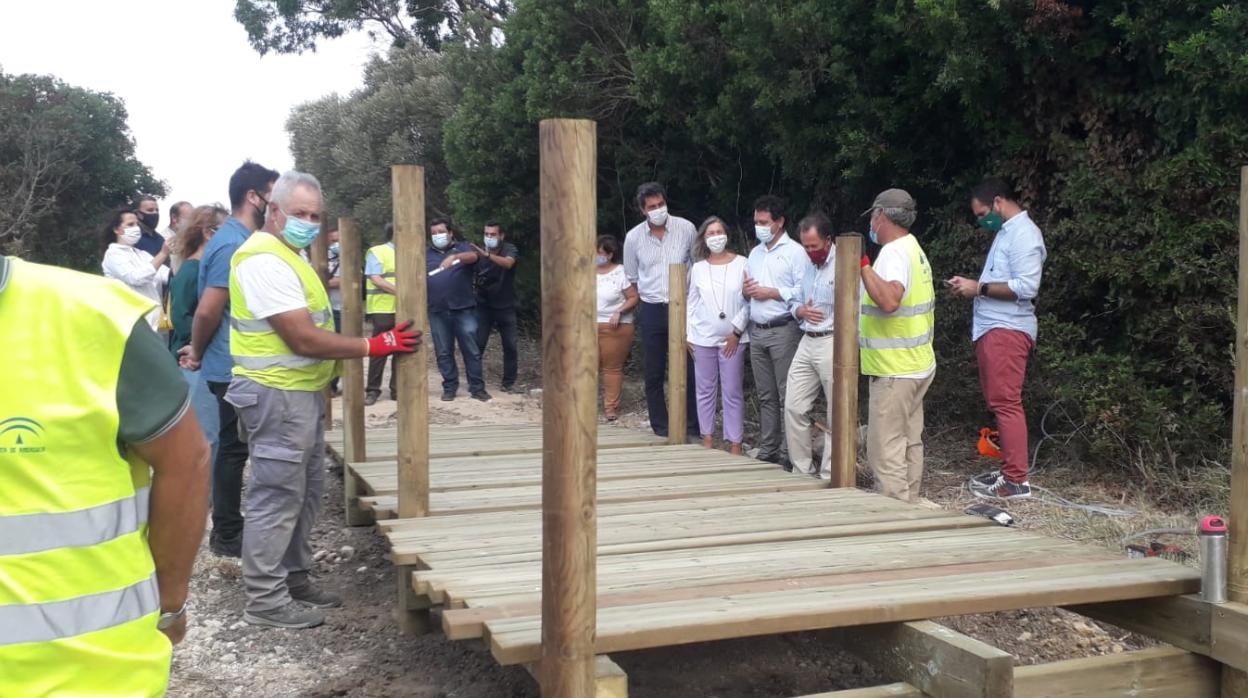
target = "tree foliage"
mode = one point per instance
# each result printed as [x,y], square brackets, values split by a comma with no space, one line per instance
[66,156]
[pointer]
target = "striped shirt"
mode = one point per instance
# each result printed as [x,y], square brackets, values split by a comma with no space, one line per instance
[819,286]
[646,257]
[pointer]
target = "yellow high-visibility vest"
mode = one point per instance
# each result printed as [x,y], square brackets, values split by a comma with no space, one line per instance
[258,351]
[900,342]
[378,300]
[78,595]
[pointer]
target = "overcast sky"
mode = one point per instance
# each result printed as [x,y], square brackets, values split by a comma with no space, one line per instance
[200,99]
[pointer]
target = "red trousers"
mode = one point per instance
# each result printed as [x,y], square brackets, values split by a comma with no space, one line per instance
[1002,357]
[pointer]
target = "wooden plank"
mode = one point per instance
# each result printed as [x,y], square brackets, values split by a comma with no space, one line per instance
[745,615]
[352,438]
[408,185]
[610,681]
[677,355]
[1230,635]
[940,661]
[1182,621]
[1235,683]
[844,398]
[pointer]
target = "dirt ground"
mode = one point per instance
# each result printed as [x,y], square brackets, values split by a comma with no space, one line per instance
[359,651]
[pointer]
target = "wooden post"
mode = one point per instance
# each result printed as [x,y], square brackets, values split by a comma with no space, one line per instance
[569,416]
[1234,682]
[319,256]
[677,355]
[413,369]
[844,407]
[351,260]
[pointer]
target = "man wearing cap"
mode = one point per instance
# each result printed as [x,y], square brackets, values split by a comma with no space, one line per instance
[895,345]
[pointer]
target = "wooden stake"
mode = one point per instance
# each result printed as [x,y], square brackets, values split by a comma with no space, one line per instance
[569,416]
[845,362]
[677,355]
[319,255]
[413,369]
[1234,682]
[351,259]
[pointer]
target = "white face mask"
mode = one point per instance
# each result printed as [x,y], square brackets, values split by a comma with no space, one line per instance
[763,233]
[716,243]
[130,236]
[657,217]
[602,259]
[491,243]
[441,240]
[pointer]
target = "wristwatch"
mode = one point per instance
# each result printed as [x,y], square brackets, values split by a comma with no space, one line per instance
[168,620]
[983,290]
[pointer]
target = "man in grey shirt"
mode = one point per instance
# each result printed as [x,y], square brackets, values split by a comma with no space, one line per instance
[660,240]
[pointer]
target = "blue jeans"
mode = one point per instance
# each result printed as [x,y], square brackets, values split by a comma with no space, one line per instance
[206,410]
[449,327]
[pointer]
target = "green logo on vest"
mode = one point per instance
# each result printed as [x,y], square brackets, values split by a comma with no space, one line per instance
[21,435]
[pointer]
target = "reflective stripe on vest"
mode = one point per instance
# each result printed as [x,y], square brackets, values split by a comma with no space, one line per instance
[379,301]
[32,533]
[53,620]
[900,343]
[258,351]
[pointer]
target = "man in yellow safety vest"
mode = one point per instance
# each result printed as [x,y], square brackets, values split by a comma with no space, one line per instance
[381,302]
[284,348]
[103,488]
[895,345]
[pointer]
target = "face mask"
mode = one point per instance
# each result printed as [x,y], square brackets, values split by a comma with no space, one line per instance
[875,237]
[991,221]
[763,233]
[716,243]
[491,243]
[657,217]
[602,259]
[333,248]
[441,240]
[130,236]
[300,233]
[150,219]
[260,214]
[817,256]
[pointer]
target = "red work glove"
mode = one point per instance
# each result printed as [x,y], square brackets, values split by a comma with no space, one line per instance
[397,341]
[865,262]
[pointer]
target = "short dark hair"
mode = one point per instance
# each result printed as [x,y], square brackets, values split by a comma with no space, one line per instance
[817,220]
[611,245]
[648,190]
[389,232]
[990,189]
[141,198]
[173,210]
[495,224]
[440,221]
[107,234]
[771,204]
[249,177]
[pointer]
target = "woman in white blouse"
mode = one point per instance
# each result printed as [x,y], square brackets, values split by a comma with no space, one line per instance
[718,315]
[145,274]
[616,300]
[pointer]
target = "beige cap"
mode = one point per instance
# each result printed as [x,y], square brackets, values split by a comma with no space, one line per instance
[893,198]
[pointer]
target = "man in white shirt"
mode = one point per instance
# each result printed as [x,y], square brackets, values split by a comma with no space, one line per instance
[649,248]
[774,275]
[812,362]
[895,346]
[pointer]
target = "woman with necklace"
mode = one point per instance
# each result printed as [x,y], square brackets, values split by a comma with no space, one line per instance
[717,317]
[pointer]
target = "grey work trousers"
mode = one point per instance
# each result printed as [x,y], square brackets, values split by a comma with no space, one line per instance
[771,352]
[286,441]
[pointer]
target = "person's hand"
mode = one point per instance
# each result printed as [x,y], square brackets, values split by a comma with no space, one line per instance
[731,342]
[810,313]
[614,320]
[480,250]
[689,348]
[449,262]
[748,285]
[963,287]
[177,631]
[864,262]
[400,340]
[187,358]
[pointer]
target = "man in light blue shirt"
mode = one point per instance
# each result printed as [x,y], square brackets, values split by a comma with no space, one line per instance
[773,280]
[1004,329]
[811,369]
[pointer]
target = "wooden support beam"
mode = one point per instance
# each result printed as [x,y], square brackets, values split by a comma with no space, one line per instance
[1230,635]
[677,355]
[318,254]
[569,203]
[1182,621]
[941,662]
[1158,672]
[844,399]
[1235,683]
[412,610]
[413,369]
[351,258]
[610,681]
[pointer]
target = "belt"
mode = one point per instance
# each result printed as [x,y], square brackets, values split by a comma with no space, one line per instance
[779,322]
[816,335]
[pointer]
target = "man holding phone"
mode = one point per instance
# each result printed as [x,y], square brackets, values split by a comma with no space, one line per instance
[1004,328]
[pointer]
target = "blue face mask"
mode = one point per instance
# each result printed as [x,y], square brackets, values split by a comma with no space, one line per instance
[300,233]
[763,233]
[441,240]
[874,237]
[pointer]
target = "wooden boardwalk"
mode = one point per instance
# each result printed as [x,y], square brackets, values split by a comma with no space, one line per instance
[696,544]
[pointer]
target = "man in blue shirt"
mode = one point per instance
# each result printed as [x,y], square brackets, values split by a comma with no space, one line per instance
[209,350]
[452,309]
[1004,328]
